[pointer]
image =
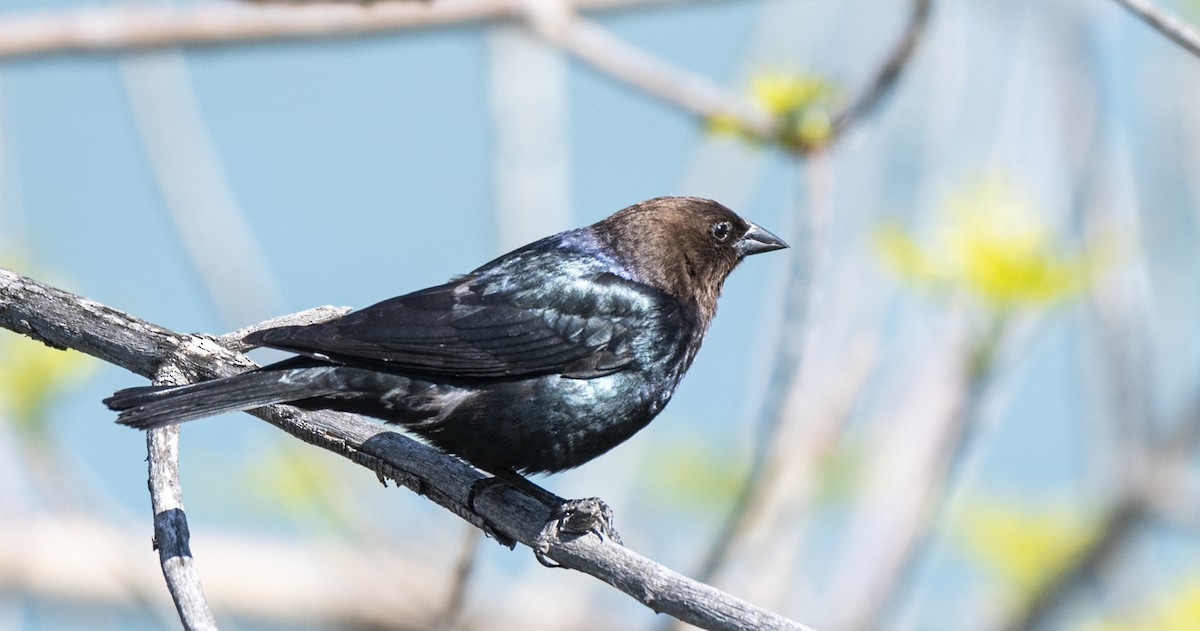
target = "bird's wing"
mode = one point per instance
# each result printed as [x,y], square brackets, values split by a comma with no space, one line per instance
[471,328]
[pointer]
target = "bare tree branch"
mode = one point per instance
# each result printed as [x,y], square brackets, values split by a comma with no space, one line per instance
[64,320]
[114,28]
[1165,22]
[123,28]
[694,93]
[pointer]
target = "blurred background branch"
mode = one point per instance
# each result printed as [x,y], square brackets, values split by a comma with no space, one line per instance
[208,221]
[1170,25]
[290,580]
[782,412]
[117,28]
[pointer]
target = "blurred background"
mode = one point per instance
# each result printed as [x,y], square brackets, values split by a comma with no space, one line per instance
[967,398]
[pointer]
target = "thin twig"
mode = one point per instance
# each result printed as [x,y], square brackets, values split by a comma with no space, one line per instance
[889,71]
[171,535]
[694,93]
[1165,22]
[64,320]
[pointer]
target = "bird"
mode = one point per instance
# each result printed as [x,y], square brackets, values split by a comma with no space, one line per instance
[536,362]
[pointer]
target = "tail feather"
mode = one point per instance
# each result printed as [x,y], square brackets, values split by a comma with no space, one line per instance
[147,407]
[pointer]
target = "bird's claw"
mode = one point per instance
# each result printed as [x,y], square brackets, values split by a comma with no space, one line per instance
[589,514]
[575,518]
[480,485]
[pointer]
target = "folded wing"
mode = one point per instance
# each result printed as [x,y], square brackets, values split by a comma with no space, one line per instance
[470,328]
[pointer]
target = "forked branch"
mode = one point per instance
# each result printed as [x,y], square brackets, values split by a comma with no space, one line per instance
[65,320]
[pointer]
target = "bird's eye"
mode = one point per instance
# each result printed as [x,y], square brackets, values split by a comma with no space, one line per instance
[721,230]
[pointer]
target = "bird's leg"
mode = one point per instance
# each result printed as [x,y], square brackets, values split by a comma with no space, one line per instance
[521,483]
[567,517]
[479,486]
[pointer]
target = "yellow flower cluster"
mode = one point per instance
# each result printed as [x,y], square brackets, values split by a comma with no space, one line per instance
[1024,545]
[994,248]
[799,103]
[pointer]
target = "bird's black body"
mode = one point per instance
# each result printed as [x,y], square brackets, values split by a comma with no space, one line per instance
[535,362]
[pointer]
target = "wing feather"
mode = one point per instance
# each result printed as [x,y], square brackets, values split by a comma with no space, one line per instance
[468,329]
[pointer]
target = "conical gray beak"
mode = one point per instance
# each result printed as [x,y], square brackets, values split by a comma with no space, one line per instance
[756,241]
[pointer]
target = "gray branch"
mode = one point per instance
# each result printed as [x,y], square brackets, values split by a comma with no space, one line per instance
[64,320]
[1165,22]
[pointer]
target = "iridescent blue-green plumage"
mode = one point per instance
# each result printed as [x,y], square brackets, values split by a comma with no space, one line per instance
[538,361]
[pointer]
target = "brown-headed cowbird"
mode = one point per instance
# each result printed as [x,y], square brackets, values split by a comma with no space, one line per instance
[536,362]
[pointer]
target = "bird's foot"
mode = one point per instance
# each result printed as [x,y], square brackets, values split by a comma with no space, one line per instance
[568,518]
[481,485]
[574,518]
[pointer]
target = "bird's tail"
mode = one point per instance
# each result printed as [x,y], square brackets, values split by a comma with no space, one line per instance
[148,407]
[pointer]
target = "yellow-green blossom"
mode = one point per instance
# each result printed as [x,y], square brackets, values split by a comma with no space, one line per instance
[992,247]
[799,103]
[1025,544]
[783,93]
